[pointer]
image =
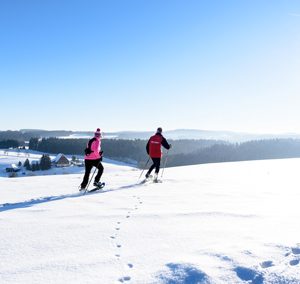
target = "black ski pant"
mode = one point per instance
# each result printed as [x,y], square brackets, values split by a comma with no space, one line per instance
[89,164]
[156,165]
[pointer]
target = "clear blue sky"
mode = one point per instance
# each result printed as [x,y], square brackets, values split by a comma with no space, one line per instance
[136,65]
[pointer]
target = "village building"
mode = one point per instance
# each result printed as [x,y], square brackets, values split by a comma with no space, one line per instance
[61,161]
[13,168]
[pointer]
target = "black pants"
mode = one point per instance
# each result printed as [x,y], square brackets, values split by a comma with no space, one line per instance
[89,164]
[156,165]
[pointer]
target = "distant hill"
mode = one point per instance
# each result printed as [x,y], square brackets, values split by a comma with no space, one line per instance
[176,134]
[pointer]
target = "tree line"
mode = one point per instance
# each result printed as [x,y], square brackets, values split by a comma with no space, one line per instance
[26,134]
[133,151]
[43,165]
[252,150]
[183,152]
[9,143]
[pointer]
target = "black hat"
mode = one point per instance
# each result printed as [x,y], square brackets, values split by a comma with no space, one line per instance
[98,132]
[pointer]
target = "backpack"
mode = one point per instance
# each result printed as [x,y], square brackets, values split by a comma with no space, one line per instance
[88,149]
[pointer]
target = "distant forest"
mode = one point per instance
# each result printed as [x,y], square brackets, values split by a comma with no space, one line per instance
[26,134]
[132,151]
[252,150]
[183,152]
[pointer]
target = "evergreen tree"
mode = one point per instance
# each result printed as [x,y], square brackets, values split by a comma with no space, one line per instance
[9,144]
[27,165]
[33,143]
[35,166]
[45,163]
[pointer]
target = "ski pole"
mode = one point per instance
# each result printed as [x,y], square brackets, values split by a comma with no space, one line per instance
[90,180]
[164,164]
[144,168]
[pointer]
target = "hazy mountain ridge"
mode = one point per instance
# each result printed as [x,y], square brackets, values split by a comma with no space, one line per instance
[229,136]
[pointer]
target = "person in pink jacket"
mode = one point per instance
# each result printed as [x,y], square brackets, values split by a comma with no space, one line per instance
[93,158]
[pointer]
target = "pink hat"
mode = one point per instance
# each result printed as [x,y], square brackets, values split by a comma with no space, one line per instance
[98,132]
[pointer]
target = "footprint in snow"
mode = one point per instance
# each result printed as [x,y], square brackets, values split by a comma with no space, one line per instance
[249,275]
[112,237]
[117,255]
[124,279]
[294,262]
[267,264]
[292,250]
[117,228]
[296,250]
[119,246]
[127,216]
[130,265]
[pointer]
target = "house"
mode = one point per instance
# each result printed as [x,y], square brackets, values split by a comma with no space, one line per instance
[13,169]
[61,161]
[78,163]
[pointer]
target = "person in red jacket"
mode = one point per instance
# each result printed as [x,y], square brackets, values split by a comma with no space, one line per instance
[93,158]
[154,151]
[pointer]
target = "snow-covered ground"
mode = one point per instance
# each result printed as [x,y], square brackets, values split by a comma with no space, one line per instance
[214,223]
[13,157]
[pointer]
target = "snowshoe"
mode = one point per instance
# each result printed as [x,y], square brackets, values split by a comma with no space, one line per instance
[146,179]
[81,188]
[98,186]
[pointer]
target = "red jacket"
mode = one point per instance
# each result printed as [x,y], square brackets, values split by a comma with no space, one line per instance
[154,145]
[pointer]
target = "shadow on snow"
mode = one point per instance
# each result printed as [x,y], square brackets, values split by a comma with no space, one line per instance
[183,274]
[32,202]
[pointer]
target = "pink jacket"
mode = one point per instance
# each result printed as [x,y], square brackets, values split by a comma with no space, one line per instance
[96,148]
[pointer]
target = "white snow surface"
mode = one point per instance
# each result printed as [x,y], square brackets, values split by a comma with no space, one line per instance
[213,223]
[8,158]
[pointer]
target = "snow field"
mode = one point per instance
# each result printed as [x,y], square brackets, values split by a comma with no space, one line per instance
[215,223]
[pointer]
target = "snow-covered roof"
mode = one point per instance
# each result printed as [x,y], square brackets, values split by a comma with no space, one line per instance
[59,157]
